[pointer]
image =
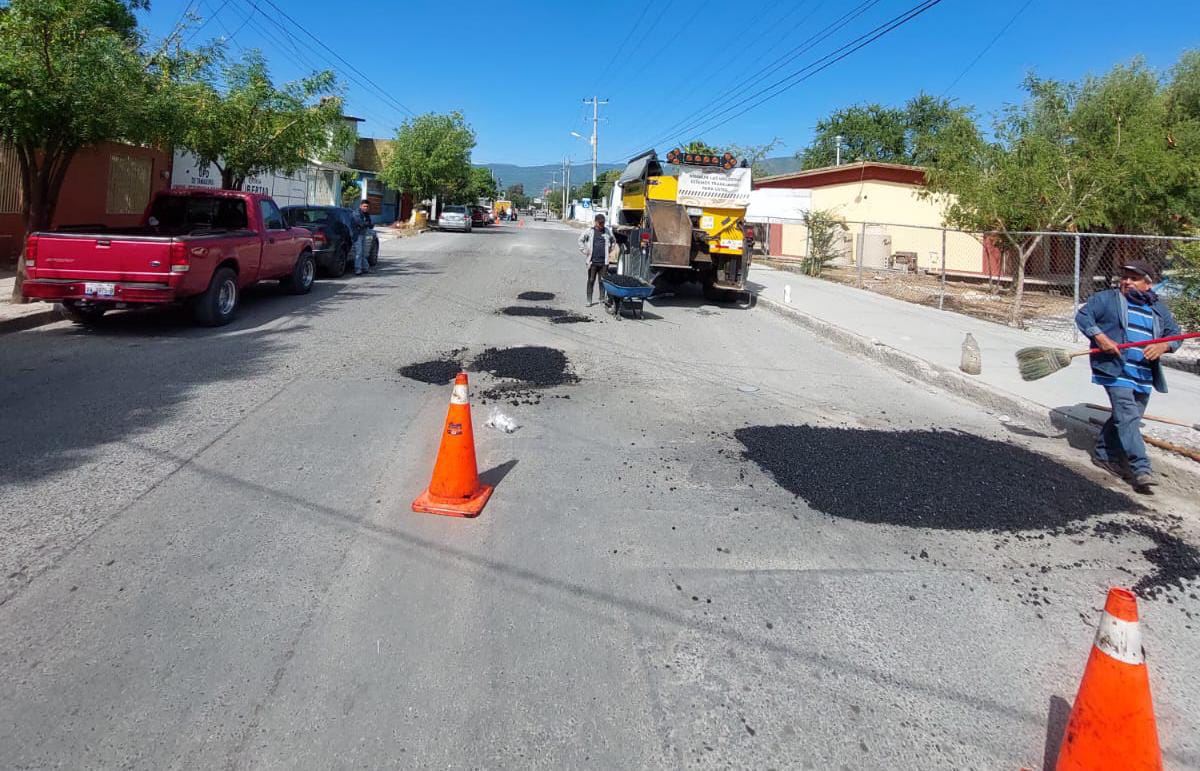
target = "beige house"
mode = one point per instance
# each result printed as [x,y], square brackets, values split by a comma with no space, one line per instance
[890,224]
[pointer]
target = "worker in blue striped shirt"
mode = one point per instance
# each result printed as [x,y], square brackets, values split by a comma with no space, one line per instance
[1130,314]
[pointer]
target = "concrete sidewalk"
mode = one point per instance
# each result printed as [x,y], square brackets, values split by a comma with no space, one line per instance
[15,317]
[912,337]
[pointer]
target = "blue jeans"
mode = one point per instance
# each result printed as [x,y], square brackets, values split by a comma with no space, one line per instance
[362,251]
[1121,436]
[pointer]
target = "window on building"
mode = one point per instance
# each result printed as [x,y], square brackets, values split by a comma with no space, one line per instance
[128,184]
[10,181]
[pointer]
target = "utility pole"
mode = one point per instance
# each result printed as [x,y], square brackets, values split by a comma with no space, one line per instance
[595,102]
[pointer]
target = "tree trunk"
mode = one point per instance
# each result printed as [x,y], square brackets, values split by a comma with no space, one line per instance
[1022,258]
[228,182]
[1097,249]
[41,182]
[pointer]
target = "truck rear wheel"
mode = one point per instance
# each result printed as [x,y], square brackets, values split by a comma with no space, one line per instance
[337,268]
[219,302]
[301,279]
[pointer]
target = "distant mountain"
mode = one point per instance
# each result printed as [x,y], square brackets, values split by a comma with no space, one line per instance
[537,178]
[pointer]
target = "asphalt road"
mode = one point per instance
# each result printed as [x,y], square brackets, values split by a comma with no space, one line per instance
[209,559]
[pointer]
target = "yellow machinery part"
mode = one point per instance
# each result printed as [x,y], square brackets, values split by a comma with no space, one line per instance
[721,226]
[663,188]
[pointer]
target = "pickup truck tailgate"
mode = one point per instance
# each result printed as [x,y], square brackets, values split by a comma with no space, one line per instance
[100,258]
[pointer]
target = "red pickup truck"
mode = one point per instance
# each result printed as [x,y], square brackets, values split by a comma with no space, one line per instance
[198,247]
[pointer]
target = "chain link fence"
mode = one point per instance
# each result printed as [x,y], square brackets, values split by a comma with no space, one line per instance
[1029,280]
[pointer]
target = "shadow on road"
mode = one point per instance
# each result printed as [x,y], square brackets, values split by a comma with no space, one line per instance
[70,389]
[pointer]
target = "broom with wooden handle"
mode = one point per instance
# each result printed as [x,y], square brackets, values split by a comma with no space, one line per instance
[1155,418]
[1039,361]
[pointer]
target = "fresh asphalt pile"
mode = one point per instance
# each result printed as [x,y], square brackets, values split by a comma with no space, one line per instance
[529,369]
[571,318]
[945,480]
[626,281]
[934,479]
[533,365]
[438,371]
[536,296]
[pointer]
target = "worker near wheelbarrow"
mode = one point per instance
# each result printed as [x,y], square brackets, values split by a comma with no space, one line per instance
[595,244]
[1126,315]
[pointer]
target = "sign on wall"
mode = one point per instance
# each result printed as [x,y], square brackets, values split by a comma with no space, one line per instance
[187,171]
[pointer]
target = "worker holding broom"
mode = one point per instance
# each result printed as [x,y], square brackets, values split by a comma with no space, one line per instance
[1129,314]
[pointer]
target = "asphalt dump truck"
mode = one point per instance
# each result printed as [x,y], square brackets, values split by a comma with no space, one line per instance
[684,221]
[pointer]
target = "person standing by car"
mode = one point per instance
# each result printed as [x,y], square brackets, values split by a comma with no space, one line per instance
[595,244]
[1129,314]
[362,238]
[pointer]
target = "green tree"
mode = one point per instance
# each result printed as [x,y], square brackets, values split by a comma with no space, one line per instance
[255,127]
[756,154]
[480,184]
[516,194]
[75,73]
[351,188]
[430,156]
[1031,176]
[702,148]
[873,132]
[823,228]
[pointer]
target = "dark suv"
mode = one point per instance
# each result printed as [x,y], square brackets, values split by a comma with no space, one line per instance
[331,227]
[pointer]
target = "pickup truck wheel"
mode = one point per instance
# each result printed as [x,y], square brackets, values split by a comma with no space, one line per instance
[373,257]
[301,279]
[219,302]
[86,315]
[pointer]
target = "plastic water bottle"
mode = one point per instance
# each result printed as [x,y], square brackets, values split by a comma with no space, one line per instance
[972,360]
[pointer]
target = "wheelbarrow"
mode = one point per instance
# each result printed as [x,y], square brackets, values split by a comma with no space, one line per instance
[619,297]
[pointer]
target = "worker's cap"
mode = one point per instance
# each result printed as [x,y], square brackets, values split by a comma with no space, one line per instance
[1140,266]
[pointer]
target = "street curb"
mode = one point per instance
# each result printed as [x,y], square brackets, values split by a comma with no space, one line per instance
[915,367]
[986,396]
[29,321]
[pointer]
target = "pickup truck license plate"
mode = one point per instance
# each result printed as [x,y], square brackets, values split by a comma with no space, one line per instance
[99,289]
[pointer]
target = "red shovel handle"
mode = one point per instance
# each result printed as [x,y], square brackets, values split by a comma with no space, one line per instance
[1171,339]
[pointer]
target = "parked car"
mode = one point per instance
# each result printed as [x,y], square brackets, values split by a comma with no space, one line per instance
[331,227]
[199,248]
[455,218]
[479,216]
[540,214]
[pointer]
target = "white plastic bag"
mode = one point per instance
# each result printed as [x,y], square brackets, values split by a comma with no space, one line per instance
[501,422]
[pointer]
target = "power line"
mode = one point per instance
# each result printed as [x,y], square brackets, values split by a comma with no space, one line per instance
[987,47]
[714,107]
[650,28]
[699,81]
[621,48]
[833,58]
[339,57]
[285,40]
[204,23]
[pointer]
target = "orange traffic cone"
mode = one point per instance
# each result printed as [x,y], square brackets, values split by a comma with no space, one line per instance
[456,490]
[1112,723]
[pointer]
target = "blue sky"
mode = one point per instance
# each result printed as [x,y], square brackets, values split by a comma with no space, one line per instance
[519,71]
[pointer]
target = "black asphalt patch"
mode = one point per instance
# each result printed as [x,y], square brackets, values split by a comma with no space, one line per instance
[571,318]
[439,371]
[1176,563]
[531,365]
[934,479]
[533,310]
[536,296]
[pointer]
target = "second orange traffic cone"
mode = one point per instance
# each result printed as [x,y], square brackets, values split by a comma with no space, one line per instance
[1112,724]
[456,490]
